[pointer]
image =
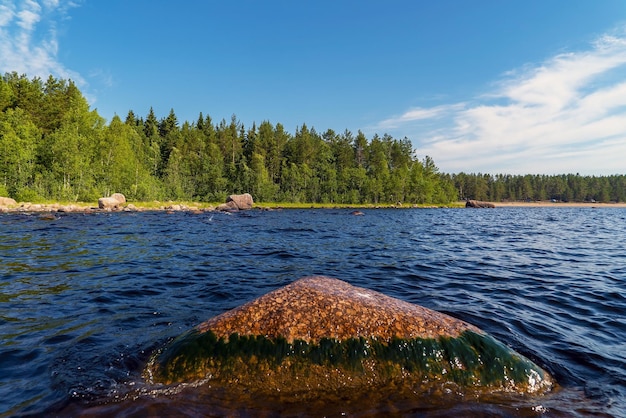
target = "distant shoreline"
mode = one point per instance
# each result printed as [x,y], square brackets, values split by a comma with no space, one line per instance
[548,204]
[83,207]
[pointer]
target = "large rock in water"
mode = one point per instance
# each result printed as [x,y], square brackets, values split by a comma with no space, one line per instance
[321,335]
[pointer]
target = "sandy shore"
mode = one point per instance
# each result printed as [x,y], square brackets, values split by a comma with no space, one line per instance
[548,204]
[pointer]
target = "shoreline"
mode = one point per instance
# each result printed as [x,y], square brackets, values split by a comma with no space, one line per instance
[548,204]
[81,207]
[199,207]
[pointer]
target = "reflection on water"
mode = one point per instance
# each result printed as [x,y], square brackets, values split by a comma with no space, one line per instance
[85,299]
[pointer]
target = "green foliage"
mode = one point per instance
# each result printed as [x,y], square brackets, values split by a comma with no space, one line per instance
[28,195]
[52,146]
[561,188]
[19,139]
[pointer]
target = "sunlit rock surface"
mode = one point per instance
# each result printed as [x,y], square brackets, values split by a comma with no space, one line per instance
[322,335]
[7,201]
[236,202]
[112,202]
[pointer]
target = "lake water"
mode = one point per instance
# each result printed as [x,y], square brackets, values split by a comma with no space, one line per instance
[85,298]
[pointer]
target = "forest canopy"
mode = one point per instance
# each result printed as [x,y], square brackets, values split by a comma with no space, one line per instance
[54,147]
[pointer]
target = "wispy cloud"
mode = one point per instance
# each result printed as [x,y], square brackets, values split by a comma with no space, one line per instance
[28,38]
[567,114]
[419,114]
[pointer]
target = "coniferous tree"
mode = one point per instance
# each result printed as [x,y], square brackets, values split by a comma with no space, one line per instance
[53,146]
[152,142]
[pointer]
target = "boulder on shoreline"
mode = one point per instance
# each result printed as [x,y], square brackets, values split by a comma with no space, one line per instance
[479,204]
[112,202]
[7,201]
[320,336]
[236,202]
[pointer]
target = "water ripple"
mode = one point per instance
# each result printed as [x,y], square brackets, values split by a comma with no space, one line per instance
[84,299]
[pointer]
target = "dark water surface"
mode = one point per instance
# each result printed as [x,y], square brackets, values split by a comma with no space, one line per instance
[84,300]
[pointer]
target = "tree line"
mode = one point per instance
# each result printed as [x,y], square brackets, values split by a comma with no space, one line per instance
[561,188]
[53,146]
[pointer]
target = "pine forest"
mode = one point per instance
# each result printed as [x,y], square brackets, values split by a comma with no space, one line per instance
[54,147]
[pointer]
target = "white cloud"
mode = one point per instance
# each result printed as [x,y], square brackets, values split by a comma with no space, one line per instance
[566,115]
[29,15]
[417,114]
[6,13]
[28,39]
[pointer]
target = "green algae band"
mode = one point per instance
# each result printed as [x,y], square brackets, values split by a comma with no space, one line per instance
[375,341]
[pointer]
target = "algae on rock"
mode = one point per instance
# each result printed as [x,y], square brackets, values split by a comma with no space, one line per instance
[320,335]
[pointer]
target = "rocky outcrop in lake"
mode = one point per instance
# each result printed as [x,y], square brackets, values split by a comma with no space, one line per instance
[319,336]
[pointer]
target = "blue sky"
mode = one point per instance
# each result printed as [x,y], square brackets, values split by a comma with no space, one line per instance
[490,86]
